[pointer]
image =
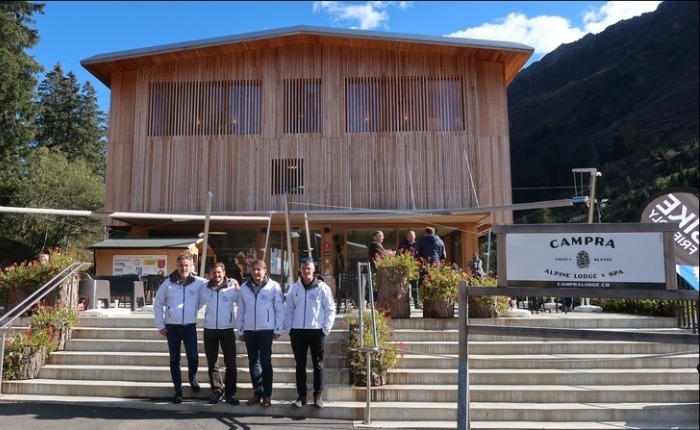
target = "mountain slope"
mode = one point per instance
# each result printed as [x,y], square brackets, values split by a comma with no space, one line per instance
[624,101]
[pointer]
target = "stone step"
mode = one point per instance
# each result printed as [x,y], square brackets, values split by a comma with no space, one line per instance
[518,377]
[279,346]
[162,373]
[425,415]
[686,359]
[113,358]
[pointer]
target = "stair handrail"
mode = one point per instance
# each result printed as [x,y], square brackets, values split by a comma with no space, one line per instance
[10,316]
[369,349]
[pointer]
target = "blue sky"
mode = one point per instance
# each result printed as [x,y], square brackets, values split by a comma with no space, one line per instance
[73,31]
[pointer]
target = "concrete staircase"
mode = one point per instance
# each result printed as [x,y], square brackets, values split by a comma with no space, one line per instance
[122,360]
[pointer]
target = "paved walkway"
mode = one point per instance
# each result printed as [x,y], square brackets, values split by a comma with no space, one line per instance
[38,415]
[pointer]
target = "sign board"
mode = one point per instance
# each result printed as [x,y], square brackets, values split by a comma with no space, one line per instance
[634,256]
[679,205]
[139,265]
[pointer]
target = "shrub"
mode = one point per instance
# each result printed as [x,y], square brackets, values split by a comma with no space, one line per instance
[380,361]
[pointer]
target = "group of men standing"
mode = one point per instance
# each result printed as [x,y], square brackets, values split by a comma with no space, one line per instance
[260,315]
[430,249]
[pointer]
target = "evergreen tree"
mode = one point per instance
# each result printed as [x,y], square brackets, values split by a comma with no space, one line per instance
[69,119]
[17,84]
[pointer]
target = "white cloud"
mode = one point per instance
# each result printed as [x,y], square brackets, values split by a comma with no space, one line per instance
[545,33]
[614,11]
[365,16]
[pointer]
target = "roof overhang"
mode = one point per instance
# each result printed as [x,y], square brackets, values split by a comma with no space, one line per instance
[512,55]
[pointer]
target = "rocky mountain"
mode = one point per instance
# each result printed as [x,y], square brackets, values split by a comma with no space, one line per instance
[624,101]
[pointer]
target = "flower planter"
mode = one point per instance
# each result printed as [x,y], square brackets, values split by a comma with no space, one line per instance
[438,309]
[358,377]
[25,365]
[394,291]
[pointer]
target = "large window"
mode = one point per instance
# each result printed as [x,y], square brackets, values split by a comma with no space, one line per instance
[302,105]
[204,108]
[287,176]
[404,104]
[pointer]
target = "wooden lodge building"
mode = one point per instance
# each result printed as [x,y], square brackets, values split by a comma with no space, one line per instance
[347,131]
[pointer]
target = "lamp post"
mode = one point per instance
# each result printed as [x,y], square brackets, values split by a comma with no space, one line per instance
[591,203]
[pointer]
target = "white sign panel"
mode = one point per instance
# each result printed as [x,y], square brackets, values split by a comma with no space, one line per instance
[603,260]
[139,265]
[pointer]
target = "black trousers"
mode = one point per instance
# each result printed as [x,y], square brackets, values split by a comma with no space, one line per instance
[302,340]
[226,339]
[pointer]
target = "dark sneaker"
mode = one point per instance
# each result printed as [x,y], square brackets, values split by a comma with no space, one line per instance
[318,402]
[216,398]
[195,386]
[232,400]
[178,398]
[300,401]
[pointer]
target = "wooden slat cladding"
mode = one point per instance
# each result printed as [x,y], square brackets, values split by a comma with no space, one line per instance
[401,103]
[436,113]
[204,108]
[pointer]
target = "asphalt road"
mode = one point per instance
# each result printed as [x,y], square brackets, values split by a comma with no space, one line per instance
[47,416]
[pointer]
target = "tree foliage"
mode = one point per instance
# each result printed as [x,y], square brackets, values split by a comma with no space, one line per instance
[49,180]
[69,119]
[17,84]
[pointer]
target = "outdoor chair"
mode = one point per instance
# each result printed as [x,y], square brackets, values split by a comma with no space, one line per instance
[93,290]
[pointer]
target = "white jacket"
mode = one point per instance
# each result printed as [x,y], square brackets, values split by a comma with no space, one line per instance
[310,308]
[177,302]
[264,311]
[220,313]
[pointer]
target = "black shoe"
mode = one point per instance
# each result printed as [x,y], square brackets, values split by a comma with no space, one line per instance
[232,400]
[195,386]
[216,398]
[318,402]
[300,402]
[178,398]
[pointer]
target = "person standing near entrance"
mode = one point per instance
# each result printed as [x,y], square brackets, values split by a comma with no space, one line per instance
[260,318]
[476,265]
[376,249]
[219,296]
[431,249]
[175,308]
[310,317]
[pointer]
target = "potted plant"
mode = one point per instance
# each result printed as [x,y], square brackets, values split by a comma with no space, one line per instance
[382,360]
[393,274]
[486,306]
[50,328]
[439,290]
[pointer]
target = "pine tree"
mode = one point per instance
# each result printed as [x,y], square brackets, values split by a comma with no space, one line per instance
[17,84]
[69,119]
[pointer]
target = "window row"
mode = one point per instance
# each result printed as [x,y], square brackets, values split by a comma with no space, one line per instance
[372,105]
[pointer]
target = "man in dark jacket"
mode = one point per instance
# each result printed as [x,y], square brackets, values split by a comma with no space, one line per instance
[431,249]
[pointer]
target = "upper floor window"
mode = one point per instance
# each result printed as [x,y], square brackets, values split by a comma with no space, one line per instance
[204,108]
[287,176]
[404,104]
[302,105]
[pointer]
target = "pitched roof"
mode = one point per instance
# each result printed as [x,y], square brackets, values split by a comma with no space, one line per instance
[513,55]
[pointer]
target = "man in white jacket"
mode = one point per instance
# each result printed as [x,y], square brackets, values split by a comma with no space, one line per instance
[175,308]
[260,321]
[219,296]
[310,317]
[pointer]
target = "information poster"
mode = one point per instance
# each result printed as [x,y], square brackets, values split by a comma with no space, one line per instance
[139,265]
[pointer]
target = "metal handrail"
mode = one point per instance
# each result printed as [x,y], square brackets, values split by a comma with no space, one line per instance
[368,350]
[10,316]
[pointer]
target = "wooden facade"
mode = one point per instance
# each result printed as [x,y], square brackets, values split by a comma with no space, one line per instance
[349,126]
